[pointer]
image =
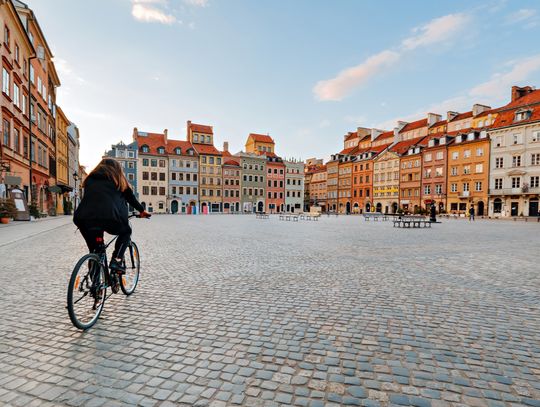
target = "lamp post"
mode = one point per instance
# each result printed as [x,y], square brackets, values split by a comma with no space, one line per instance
[75,177]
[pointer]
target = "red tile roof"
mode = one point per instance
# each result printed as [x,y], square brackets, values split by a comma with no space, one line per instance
[184,146]
[206,149]
[348,150]
[439,123]
[234,162]
[261,138]
[529,99]
[462,116]
[506,114]
[351,135]
[385,135]
[414,125]
[200,128]
[152,140]
[403,146]
[486,112]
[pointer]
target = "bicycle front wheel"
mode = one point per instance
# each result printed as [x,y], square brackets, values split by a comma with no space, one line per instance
[87,291]
[132,262]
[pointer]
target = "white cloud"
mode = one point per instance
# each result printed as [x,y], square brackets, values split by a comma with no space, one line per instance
[145,11]
[437,30]
[528,17]
[65,71]
[337,88]
[494,92]
[197,3]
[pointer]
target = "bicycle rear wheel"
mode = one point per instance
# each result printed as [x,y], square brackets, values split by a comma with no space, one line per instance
[87,291]
[132,262]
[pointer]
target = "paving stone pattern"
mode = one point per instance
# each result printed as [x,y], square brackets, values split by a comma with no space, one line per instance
[232,310]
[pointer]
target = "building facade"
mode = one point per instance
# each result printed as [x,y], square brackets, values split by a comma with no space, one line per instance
[74,173]
[63,189]
[345,167]
[514,188]
[386,182]
[231,184]
[152,170]
[317,188]
[183,177]
[434,171]
[294,186]
[332,175]
[275,184]
[253,183]
[126,155]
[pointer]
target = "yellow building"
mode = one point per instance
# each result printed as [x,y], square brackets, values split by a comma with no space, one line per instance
[210,159]
[260,144]
[62,164]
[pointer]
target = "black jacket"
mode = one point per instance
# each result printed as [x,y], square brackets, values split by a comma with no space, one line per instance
[102,201]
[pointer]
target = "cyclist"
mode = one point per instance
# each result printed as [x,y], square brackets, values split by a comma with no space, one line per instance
[104,208]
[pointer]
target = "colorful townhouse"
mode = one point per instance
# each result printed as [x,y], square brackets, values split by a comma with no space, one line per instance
[294,186]
[127,156]
[62,164]
[275,188]
[332,175]
[253,182]
[317,187]
[210,160]
[434,171]
[514,188]
[152,170]
[183,177]
[232,176]
[345,166]
[16,50]
[312,164]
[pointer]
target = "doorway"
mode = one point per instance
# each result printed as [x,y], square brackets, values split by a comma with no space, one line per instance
[480,208]
[514,208]
[174,206]
[533,207]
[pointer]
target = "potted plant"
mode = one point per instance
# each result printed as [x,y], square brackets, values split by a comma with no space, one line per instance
[8,210]
[34,210]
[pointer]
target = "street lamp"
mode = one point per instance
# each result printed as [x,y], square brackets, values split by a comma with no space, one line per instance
[75,177]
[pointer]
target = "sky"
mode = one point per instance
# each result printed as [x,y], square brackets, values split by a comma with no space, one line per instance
[304,71]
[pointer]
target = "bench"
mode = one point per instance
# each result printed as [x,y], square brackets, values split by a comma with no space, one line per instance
[412,223]
[289,217]
[261,215]
[376,216]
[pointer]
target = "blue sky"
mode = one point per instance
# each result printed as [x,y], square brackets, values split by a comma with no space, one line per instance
[304,71]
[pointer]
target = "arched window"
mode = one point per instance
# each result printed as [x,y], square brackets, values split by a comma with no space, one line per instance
[145,149]
[161,150]
[177,151]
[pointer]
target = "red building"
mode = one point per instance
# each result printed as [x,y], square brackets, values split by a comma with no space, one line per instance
[434,176]
[275,177]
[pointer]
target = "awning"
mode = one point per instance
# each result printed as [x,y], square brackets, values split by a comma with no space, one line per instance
[59,189]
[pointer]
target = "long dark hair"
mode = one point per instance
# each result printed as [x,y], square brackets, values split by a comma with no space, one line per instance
[111,170]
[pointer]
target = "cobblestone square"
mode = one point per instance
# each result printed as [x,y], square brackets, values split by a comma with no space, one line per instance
[233,310]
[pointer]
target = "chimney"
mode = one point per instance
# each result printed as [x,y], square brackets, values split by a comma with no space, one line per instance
[375,133]
[396,133]
[165,134]
[400,125]
[135,133]
[477,109]
[450,115]
[226,146]
[187,130]
[433,118]
[518,92]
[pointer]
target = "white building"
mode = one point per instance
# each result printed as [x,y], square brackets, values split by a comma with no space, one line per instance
[294,185]
[514,182]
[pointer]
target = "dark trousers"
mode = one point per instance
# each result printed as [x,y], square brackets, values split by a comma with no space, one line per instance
[93,230]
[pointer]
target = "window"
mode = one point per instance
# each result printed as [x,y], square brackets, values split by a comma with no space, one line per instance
[6,36]
[177,151]
[131,165]
[160,204]
[516,138]
[498,141]
[162,163]
[153,163]
[427,190]
[497,205]
[131,177]
[145,149]
[438,189]
[479,168]
[16,95]
[145,175]
[516,182]
[534,182]
[16,139]
[32,75]
[499,162]
[5,81]
[466,169]
[145,162]
[467,153]
[535,136]
[162,190]
[479,152]
[498,183]
[455,155]
[440,155]
[153,176]
[6,132]
[453,171]
[465,187]
[535,159]
[439,171]
[153,190]
[24,103]
[427,157]
[161,150]
[162,176]
[145,190]
[478,186]
[516,161]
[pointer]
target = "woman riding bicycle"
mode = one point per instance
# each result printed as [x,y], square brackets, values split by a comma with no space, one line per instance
[104,208]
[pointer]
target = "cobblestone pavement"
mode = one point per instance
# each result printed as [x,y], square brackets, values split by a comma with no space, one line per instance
[232,310]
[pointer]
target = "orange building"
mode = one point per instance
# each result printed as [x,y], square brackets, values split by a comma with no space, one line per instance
[468,172]
[411,176]
[318,188]
[345,167]
[231,182]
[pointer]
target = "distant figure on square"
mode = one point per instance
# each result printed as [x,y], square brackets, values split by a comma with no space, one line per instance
[471,213]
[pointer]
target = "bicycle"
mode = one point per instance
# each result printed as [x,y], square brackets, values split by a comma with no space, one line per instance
[87,288]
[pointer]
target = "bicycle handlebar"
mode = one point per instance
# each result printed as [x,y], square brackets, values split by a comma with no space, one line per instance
[138,215]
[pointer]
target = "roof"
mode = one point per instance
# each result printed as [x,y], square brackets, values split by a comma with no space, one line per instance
[439,123]
[385,135]
[200,128]
[184,146]
[485,113]
[152,140]
[206,149]
[403,146]
[506,114]
[347,151]
[261,138]
[226,154]
[462,116]
[232,161]
[352,134]
[414,125]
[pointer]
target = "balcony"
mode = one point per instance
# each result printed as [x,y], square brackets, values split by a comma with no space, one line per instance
[465,194]
[514,191]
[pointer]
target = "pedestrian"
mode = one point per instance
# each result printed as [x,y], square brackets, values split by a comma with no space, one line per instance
[104,208]
[471,213]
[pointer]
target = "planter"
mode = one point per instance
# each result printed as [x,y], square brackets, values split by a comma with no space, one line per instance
[4,220]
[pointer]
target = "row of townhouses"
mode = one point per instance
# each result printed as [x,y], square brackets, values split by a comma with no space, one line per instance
[486,159]
[39,146]
[192,176]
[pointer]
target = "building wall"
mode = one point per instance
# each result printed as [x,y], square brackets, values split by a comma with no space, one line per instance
[463,175]
[410,182]
[275,186]
[318,189]
[294,186]
[434,173]
[183,184]
[231,188]
[345,185]
[332,169]
[505,196]
[386,182]
[153,192]
[362,185]
[253,183]
[210,182]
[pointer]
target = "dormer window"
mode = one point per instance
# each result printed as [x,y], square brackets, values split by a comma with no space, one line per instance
[195,137]
[177,151]
[161,150]
[145,149]
[522,115]
[190,151]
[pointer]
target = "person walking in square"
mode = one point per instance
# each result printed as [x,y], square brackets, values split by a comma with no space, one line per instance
[471,213]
